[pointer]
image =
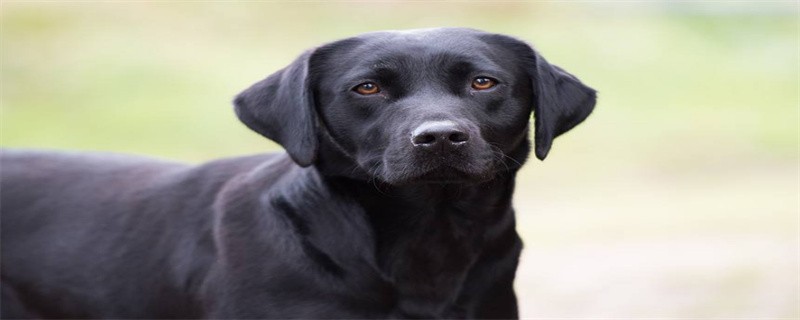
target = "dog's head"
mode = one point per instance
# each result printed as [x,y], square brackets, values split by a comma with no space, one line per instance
[433,105]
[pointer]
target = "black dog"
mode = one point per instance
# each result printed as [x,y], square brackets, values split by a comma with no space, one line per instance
[394,200]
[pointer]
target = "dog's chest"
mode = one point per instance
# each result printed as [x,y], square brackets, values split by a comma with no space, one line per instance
[369,258]
[421,256]
[428,263]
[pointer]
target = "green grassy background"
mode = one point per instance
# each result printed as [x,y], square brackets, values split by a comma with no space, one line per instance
[678,197]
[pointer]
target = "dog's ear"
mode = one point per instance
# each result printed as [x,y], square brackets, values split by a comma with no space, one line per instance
[561,102]
[281,108]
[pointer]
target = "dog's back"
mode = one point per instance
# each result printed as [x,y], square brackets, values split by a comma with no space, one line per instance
[80,227]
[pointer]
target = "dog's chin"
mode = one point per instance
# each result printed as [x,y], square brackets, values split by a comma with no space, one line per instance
[451,176]
[444,174]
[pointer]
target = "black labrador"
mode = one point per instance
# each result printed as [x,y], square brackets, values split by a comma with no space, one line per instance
[394,200]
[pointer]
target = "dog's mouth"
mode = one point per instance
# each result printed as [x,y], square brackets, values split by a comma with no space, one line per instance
[470,164]
[447,175]
[444,173]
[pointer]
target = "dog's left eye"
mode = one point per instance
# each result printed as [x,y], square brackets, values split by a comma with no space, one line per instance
[483,83]
[367,88]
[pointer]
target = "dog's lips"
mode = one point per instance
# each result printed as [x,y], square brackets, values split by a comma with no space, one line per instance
[444,173]
[466,166]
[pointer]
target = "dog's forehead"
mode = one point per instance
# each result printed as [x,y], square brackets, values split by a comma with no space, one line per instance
[423,41]
[413,49]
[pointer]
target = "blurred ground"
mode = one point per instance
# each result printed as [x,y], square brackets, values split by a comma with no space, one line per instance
[678,198]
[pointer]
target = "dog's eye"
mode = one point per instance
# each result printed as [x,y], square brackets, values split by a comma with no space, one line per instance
[483,83]
[367,88]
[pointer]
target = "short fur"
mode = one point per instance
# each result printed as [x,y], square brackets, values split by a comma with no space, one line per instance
[358,221]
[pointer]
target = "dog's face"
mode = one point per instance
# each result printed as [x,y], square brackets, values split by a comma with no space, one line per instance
[435,105]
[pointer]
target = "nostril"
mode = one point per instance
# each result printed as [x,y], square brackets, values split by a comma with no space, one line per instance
[424,139]
[457,137]
[439,135]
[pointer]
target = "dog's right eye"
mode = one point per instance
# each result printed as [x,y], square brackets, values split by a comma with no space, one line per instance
[367,88]
[483,83]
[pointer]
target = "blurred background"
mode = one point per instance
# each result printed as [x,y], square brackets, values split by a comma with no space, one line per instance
[678,198]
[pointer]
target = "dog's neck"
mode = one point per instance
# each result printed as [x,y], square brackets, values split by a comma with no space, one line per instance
[428,236]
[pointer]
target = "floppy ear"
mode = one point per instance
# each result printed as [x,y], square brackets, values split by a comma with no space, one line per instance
[561,102]
[281,108]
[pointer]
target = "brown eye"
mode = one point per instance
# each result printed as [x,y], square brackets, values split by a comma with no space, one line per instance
[367,88]
[483,83]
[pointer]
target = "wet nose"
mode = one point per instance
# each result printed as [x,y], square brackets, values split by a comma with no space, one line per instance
[439,135]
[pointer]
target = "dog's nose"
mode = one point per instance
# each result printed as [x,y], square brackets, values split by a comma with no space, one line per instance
[439,135]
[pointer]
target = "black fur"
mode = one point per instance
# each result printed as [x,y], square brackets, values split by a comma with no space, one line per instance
[358,222]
